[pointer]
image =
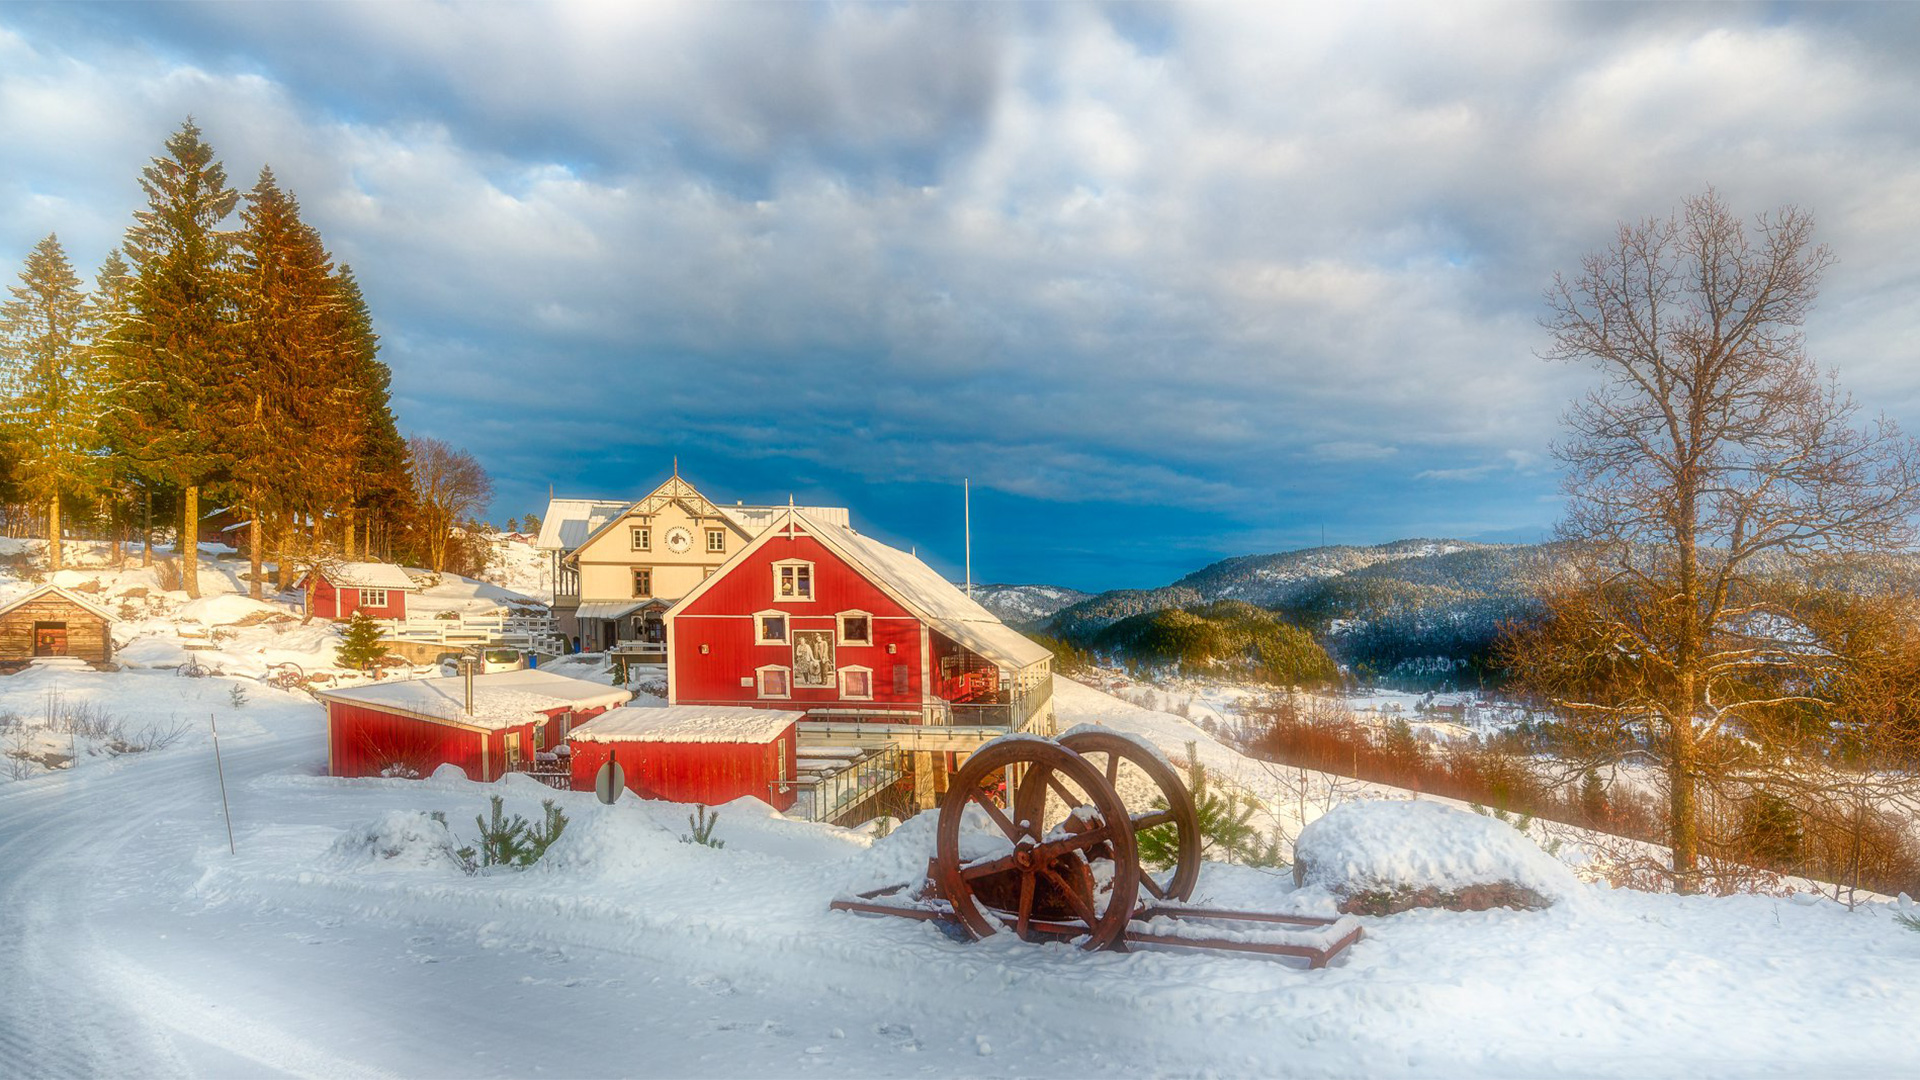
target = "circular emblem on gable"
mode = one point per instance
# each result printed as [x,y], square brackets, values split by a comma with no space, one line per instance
[679,540]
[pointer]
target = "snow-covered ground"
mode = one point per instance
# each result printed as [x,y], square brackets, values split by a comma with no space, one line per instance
[133,943]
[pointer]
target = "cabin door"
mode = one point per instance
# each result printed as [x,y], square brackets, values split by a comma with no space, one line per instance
[50,639]
[513,749]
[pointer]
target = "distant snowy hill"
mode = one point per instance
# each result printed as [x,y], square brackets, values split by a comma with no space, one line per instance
[1015,604]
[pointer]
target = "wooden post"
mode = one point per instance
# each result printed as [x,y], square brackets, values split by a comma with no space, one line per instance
[923,793]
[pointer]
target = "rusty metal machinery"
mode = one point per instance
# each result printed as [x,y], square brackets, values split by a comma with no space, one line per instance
[1057,857]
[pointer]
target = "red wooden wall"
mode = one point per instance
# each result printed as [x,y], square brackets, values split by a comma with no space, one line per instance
[710,773]
[746,588]
[330,602]
[363,740]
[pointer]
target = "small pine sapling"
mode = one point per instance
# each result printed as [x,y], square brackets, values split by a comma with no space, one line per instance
[702,823]
[237,696]
[361,646]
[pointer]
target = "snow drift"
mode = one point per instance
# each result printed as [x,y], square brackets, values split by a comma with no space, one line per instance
[1389,855]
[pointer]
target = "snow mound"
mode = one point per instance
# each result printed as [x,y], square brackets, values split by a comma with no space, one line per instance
[401,840]
[613,842]
[1401,854]
[227,609]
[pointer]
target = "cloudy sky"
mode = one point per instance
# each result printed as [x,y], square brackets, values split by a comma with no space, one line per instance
[1167,283]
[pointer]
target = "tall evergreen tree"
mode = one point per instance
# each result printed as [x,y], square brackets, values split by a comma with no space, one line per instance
[290,343]
[52,401]
[174,356]
[107,311]
[381,487]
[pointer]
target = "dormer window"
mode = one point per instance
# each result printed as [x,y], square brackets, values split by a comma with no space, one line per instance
[641,537]
[793,581]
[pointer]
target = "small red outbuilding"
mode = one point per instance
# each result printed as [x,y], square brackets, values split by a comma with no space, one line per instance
[692,753]
[410,727]
[379,589]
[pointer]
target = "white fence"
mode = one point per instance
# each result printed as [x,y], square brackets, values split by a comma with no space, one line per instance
[516,629]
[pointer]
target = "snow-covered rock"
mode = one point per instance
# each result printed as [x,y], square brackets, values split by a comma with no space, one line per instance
[400,840]
[1385,855]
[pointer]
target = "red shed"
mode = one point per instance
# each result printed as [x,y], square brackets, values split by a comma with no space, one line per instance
[814,616]
[410,727]
[379,589]
[692,753]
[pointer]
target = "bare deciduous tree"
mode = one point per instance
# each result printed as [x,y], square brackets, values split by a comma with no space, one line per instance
[449,487]
[1707,473]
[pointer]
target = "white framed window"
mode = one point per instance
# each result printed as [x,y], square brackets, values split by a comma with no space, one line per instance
[856,683]
[716,540]
[856,628]
[793,580]
[641,537]
[774,682]
[373,598]
[770,628]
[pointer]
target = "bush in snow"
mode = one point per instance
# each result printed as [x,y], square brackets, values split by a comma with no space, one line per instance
[401,840]
[702,823]
[514,841]
[1379,857]
[361,647]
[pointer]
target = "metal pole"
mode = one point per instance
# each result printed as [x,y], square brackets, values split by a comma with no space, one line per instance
[966,494]
[222,770]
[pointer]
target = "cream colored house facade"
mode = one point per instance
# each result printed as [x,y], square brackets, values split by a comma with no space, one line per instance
[616,569]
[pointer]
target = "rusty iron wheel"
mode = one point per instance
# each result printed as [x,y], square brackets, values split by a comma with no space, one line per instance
[1060,865]
[1107,749]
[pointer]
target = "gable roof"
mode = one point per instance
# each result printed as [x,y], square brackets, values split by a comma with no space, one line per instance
[369,575]
[917,586]
[570,521]
[750,520]
[63,594]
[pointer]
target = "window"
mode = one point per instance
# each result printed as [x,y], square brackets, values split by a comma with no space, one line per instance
[856,628]
[775,682]
[716,540]
[642,538]
[373,598]
[900,678]
[643,582]
[856,683]
[770,628]
[793,581]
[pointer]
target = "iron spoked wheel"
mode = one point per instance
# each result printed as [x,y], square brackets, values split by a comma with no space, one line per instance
[1045,866]
[1107,750]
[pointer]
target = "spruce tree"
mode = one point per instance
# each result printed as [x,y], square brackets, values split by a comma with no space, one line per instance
[174,356]
[382,486]
[52,407]
[289,344]
[107,311]
[361,646]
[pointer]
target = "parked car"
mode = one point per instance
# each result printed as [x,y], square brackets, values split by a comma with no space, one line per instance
[493,660]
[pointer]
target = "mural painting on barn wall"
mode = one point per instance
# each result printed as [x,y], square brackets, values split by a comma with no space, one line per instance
[813,658]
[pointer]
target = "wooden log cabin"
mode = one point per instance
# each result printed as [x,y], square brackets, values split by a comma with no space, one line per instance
[50,621]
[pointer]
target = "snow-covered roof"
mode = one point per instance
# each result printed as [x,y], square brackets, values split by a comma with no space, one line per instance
[369,575]
[918,586]
[570,521]
[753,520]
[63,594]
[501,699]
[949,610]
[686,724]
[613,609]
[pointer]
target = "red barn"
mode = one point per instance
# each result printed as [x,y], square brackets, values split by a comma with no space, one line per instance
[812,616]
[379,589]
[692,753]
[410,727]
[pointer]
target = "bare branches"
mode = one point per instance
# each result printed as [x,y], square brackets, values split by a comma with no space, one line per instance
[1709,469]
